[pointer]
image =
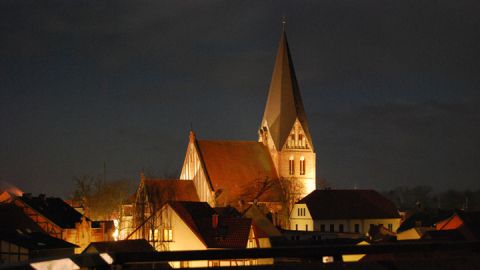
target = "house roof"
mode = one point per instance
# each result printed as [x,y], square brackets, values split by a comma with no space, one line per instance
[284,102]
[35,240]
[238,169]
[231,232]
[159,191]
[424,218]
[13,219]
[54,209]
[467,222]
[349,204]
[264,227]
[137,245]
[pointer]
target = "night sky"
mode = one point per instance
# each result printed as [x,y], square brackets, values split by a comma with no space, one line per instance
[391,88]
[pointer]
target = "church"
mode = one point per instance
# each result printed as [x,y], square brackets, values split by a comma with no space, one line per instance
[279,168]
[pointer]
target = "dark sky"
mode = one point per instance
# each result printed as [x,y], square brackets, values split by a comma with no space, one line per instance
[391,88]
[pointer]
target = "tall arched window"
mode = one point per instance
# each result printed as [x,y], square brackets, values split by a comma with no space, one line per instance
[291,166]
[302,165]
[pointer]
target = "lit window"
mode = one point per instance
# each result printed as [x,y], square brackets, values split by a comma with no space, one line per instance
[167,235]
[291,166]
[302,165]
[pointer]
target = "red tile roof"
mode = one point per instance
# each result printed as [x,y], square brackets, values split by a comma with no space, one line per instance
[230,232]
[159,191]
[238,169]
[349,204]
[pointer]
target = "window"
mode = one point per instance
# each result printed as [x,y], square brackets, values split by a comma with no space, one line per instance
[306,227]
[390,227]
[332,227]
[322,227]
[167,235]
[340,228]
[301,212]
[291,166]
[302,165]
[357,228]
[296,227]
[300,140]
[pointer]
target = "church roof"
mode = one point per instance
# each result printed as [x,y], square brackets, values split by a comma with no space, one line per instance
[284,102]
[349,204]
[159,191]
[238,170]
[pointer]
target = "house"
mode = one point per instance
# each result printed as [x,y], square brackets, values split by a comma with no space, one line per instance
[419,222]
[265,231]
[187,225]
[467,223]
[151,196]
[58,219]
[344,211]
[125,219]
[22,239]
[238,173]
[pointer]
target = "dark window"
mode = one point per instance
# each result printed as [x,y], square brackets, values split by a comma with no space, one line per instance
[306,227]
[340,228]
[296,227]
[357,228]
[322,228]
[332,227]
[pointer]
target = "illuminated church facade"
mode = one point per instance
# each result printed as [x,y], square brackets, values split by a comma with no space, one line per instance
[237,173]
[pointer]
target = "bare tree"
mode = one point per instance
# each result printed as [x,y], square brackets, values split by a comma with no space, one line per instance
[100,199]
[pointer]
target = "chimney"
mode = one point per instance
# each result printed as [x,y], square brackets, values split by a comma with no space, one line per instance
[214,221]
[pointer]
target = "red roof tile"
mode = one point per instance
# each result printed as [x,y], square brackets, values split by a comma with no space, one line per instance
[230,232]
[159,191]
[238,169]
[349,204]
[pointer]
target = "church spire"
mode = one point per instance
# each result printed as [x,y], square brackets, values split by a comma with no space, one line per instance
[284,103]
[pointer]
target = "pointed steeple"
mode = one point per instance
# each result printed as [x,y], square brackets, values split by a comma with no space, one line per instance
[284,104]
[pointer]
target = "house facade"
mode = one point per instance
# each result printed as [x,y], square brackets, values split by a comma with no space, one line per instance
[187,225]
[344,211]
[58,219]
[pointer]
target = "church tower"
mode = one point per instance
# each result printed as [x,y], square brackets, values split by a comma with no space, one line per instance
[284,128]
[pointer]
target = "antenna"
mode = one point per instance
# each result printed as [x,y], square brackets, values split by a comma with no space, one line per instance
[284,22]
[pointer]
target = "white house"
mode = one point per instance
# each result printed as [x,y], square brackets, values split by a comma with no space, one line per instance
[344,211]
